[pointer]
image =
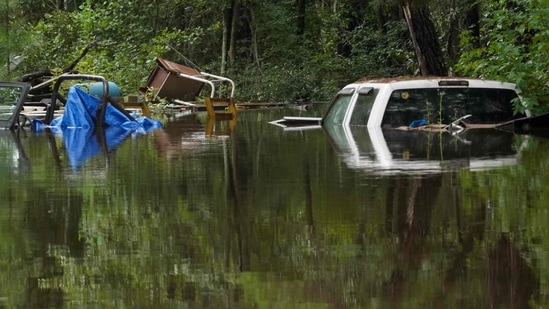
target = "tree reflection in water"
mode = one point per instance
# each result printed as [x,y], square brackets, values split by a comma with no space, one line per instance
[512,282]
[263,217]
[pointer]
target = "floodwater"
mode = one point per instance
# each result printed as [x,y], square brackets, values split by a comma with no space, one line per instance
[253,215]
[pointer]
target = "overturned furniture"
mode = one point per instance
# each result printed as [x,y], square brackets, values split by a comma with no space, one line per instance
[181,85]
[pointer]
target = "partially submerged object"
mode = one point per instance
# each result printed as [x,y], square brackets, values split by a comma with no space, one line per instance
[13,96]
[18,107]
[182,85]
[436,104]
[424,125]
[88,124]
[85,110]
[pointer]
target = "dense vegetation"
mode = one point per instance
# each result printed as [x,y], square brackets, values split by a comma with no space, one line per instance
[284,50]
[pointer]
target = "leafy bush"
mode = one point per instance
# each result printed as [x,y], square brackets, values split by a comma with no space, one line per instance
[515,47]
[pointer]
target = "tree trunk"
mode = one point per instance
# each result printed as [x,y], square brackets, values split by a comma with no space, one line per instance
[225,39]
[381,20]
[234,23]
[300,17]
[425,40]
[452,42]
[8,39]
[472,22]
[62,5]
[253,33]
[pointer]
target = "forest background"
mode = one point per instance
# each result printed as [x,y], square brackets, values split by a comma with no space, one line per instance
[283,50]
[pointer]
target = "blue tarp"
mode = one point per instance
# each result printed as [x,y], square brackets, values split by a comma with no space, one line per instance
[81,111]
[77,126]
[418,123]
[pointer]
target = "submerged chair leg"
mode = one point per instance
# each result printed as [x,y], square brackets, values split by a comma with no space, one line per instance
[230,108]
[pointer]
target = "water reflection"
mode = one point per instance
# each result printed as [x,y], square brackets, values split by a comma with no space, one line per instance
[511,281]
[256,216]
[391,151]
[16,156]
[191,133]
[82,144]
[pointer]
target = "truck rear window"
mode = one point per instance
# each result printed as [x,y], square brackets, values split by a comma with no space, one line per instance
[444,105]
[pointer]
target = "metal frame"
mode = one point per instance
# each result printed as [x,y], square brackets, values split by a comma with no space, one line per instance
[13,120]
[105,98]
[211,82]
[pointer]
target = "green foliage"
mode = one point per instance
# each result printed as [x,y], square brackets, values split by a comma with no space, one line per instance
[55,41]
[127,43]
[287,83]
[273,64]
[378,54]
[274,30]
[342,42]
[515,46]
[12,36]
